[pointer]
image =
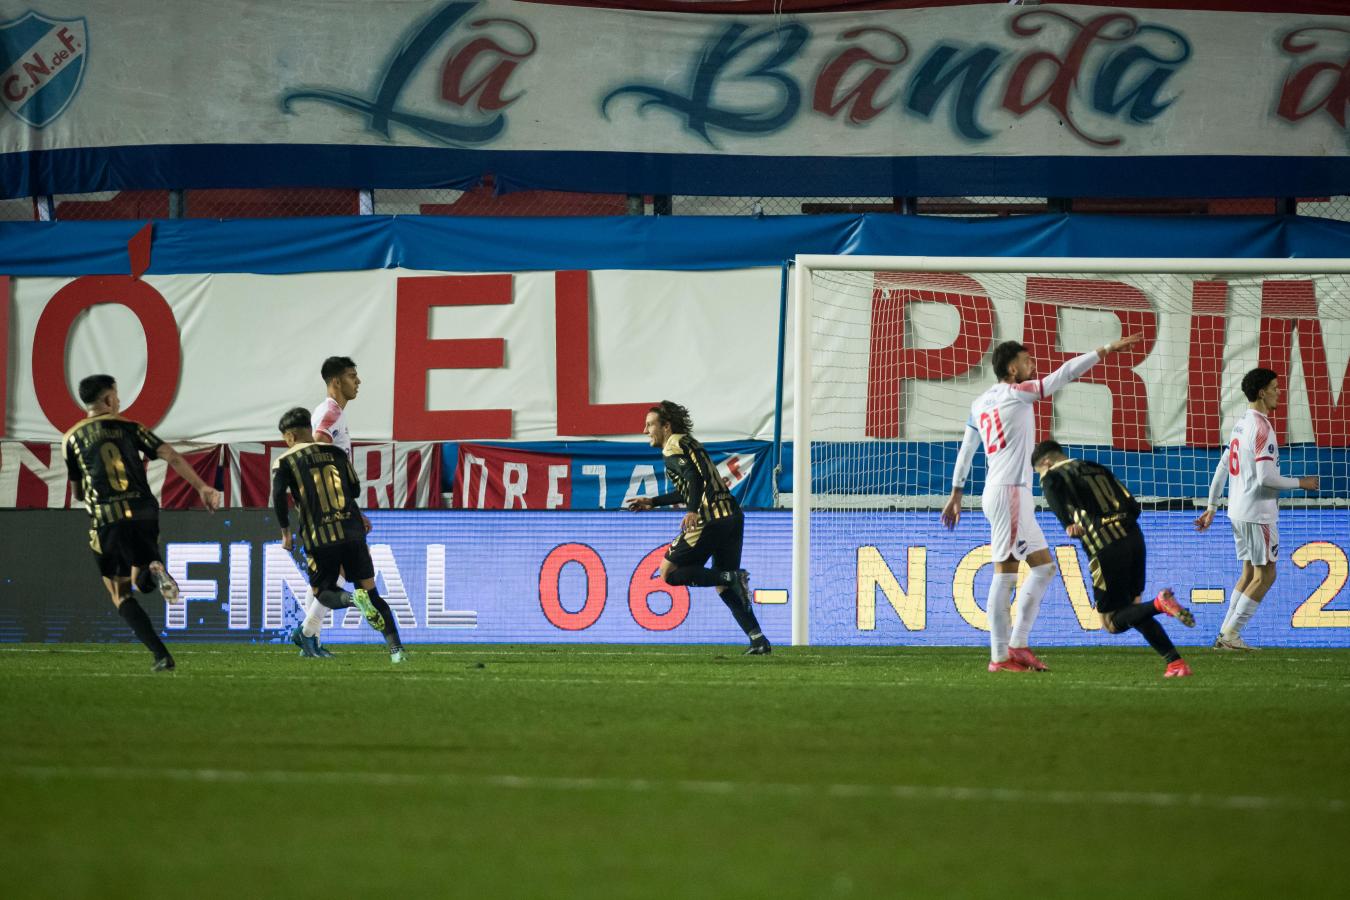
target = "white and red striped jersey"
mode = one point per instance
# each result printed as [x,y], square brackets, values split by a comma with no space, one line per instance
[330,420]
[1004,419]
[1252,464]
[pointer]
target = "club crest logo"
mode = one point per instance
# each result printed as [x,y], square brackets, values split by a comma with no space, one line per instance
[41,65]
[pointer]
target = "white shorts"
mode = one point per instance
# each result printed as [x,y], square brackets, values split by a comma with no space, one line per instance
[1256,543]
[1012,522]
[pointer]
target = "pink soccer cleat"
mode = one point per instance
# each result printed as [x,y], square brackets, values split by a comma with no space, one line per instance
[1166,602]
[1178,669]
[1025,658]
[1007,665]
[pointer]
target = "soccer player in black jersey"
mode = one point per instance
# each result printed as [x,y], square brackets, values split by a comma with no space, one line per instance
[103,459]
[1096,508]
[321,479]
[713,527]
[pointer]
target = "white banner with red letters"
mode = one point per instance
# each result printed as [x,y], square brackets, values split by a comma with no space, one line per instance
[527,356]
[33,476]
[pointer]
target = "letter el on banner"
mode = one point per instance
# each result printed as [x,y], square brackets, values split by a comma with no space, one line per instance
[588,474]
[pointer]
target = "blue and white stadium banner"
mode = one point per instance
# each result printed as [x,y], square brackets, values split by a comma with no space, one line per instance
[938,98]
[883,579]
[590,474]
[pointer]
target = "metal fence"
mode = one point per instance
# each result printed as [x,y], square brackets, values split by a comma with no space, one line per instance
[484,201]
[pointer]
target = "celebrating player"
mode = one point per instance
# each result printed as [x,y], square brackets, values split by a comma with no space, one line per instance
[1004,418]
[103,459]
[714,525]
[1252,461]
[329,423]
[1096,508]
[321,479]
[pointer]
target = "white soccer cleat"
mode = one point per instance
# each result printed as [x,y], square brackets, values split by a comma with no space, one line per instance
[1231,642]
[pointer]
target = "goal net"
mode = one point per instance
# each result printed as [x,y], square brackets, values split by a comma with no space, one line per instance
[890,353]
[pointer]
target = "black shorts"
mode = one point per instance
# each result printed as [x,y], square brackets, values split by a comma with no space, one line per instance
[121,545]
[719,540]
[328,564]
[1118,572]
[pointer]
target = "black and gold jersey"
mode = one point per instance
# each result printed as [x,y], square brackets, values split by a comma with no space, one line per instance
[321,479]
[1087,494]
[103,456]
[698,484]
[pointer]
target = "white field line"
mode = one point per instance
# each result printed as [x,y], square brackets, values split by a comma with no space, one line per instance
[1056,797]
[328,672]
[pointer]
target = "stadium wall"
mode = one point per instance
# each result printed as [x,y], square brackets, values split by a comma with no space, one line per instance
[576,577]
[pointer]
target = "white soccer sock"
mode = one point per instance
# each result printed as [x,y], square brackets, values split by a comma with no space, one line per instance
[1029,602]
[1233,599]
[314,612]
[1001,589]
[1246,608]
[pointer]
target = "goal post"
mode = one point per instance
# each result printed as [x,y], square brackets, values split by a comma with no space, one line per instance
[889,351]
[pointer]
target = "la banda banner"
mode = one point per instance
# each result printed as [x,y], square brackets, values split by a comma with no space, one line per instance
[941,98]
[880,579]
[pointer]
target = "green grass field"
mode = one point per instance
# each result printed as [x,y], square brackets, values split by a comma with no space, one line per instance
[609,771]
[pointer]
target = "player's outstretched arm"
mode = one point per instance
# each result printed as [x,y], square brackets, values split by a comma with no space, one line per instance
[1074,368]
[210,496]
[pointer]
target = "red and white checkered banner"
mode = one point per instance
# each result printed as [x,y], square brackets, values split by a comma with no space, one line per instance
[393,475]
[33,476]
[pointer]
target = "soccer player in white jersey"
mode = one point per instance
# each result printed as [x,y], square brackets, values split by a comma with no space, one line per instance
[329,423]
[1004,419]
[1251,466]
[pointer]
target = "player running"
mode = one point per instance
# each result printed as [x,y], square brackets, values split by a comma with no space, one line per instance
[324,485]
[1251,466]
[713,527]
[103,459]
[1096,508]
[1004,419]
[329,423]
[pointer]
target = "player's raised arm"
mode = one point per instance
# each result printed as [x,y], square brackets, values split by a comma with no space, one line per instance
[951,512]
[1076,367]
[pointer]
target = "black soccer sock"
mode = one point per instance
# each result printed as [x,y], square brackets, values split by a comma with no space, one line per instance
[1132,615]
[697,576]
[742,612]
[1157,638]
[140,626]
[335,599]
[391,638]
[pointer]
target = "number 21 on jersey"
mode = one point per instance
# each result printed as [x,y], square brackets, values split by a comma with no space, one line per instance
[991,426]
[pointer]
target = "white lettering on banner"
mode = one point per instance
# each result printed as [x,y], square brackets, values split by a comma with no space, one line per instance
[555,475]
[515,481]
[437,614]
[470,463]
[241,584]
[598,471]
[15,458]
[177,559]
[641,484]
[375,489]
[281,578]
[394,593]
